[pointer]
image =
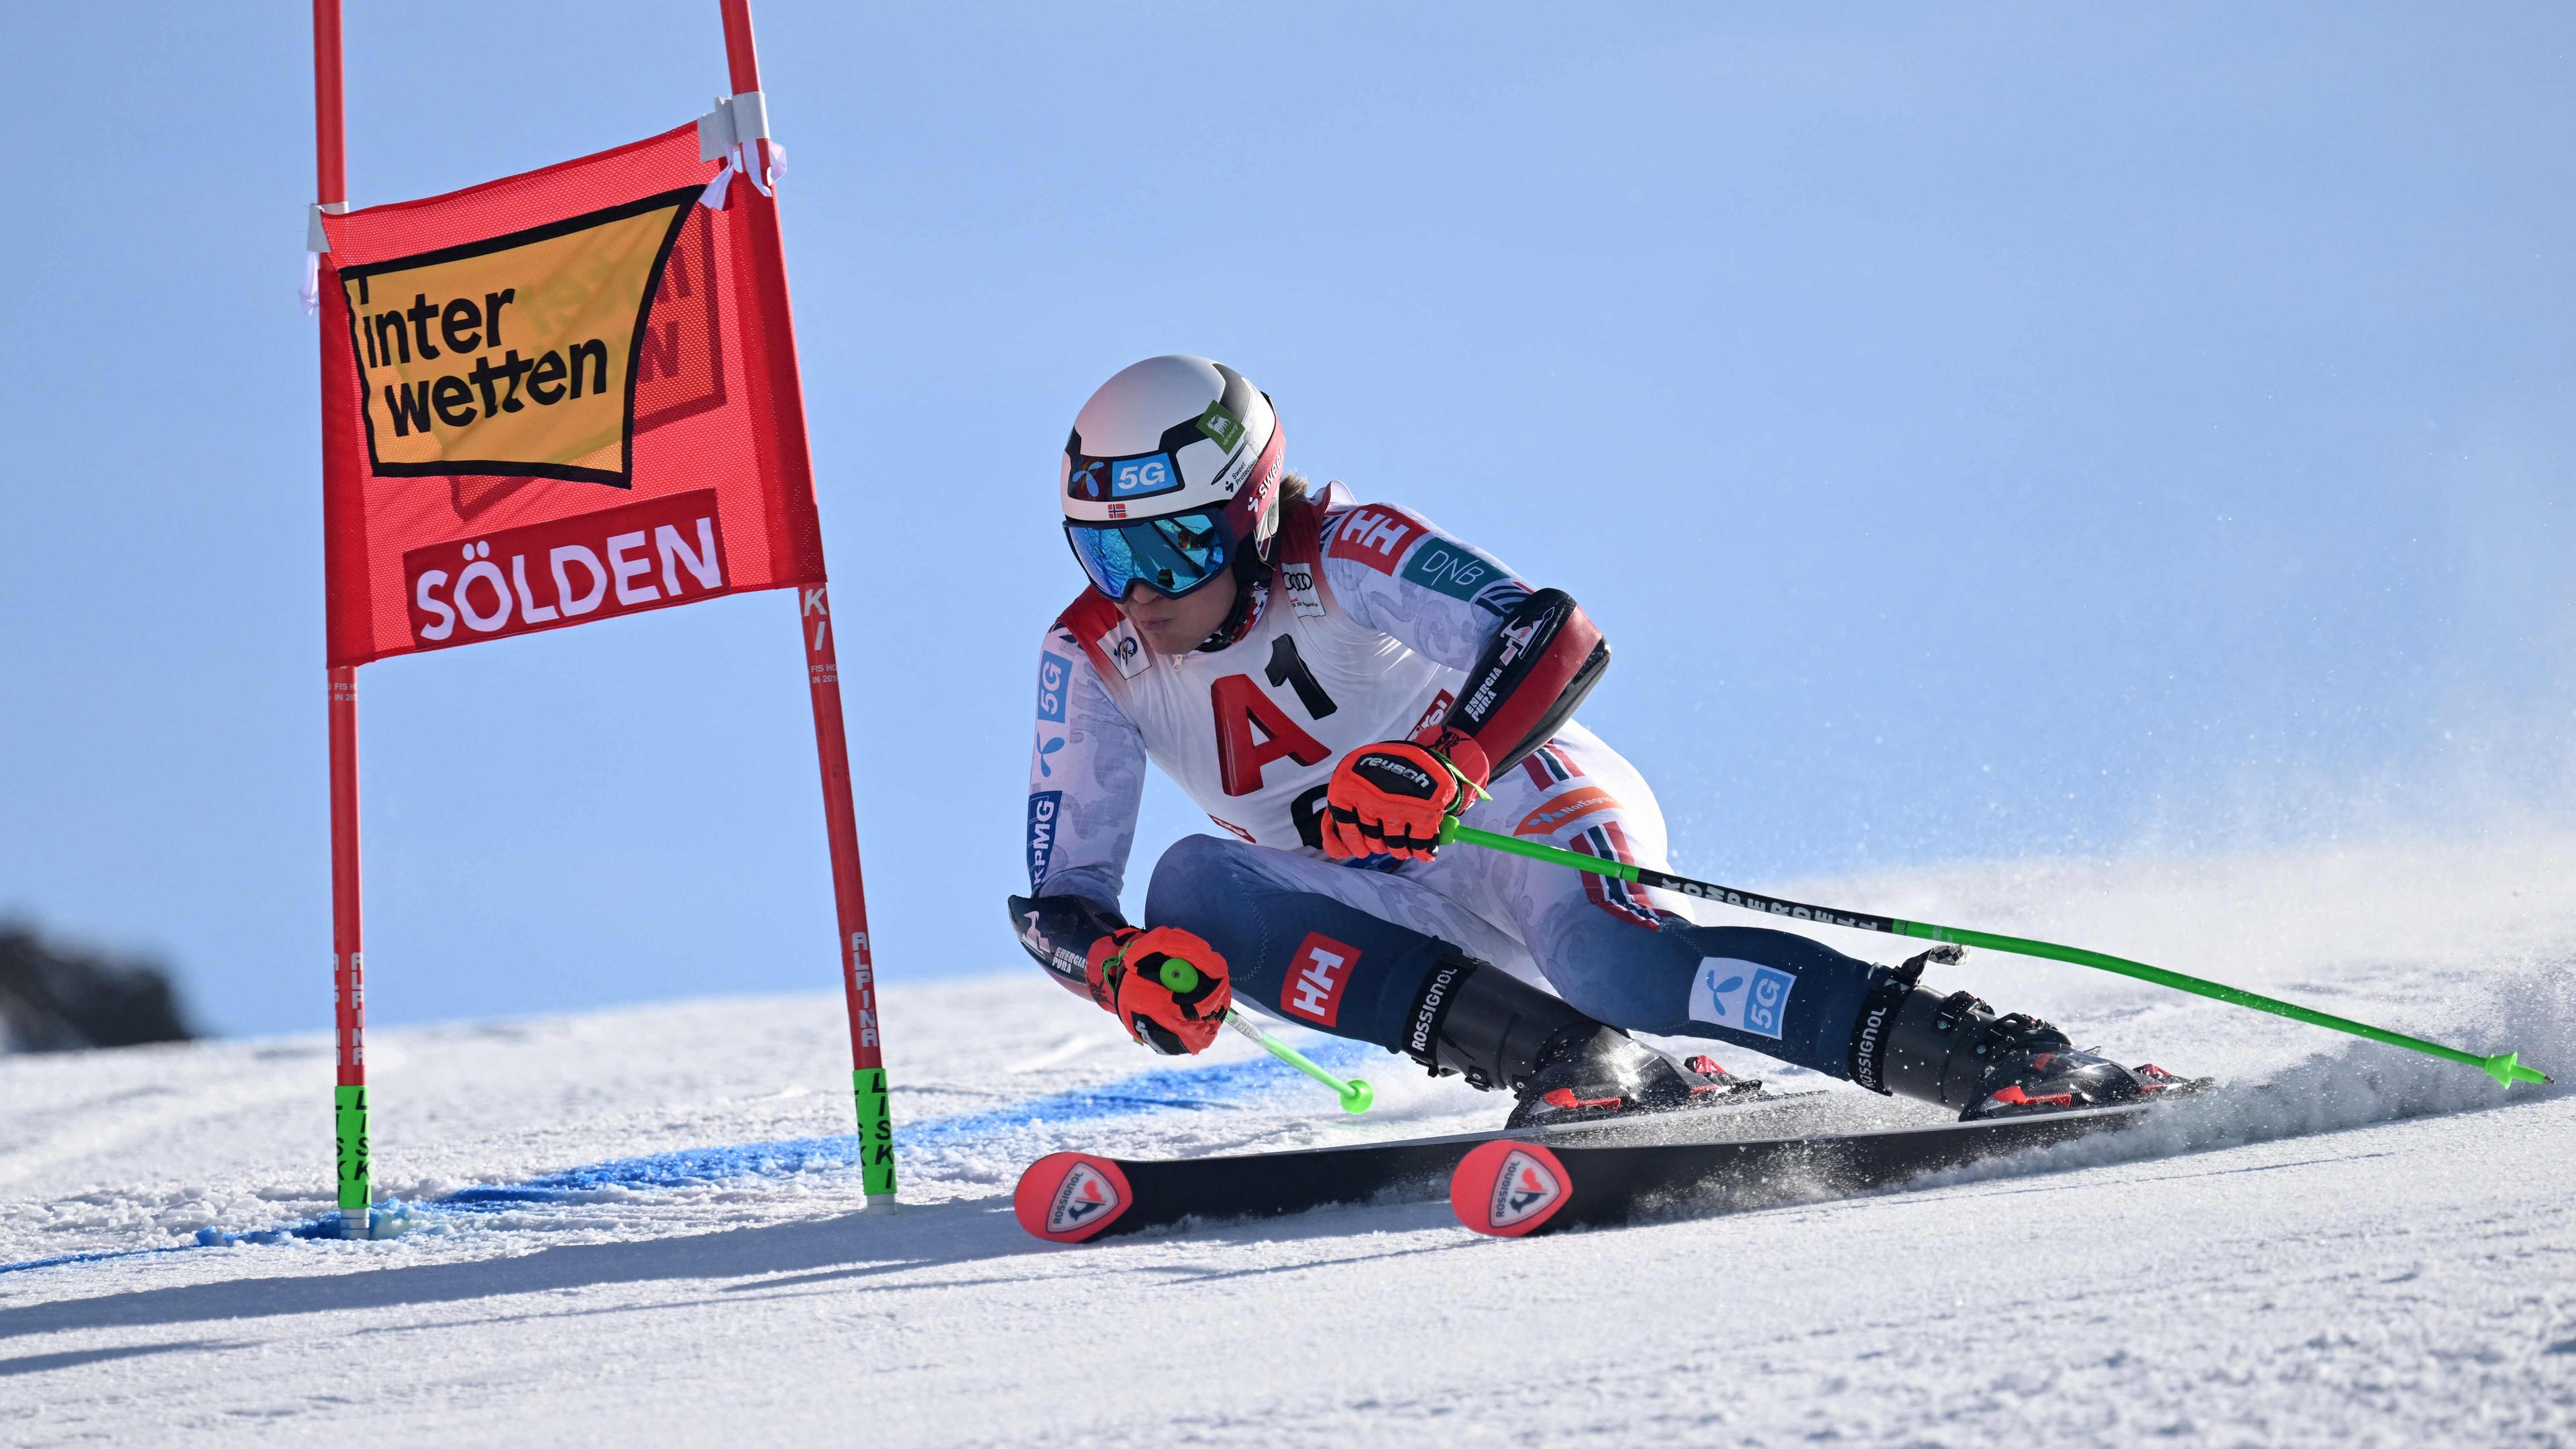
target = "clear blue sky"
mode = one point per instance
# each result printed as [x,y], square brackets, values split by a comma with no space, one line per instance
[1980,429]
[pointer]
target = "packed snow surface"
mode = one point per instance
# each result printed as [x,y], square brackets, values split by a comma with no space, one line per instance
[645,1226]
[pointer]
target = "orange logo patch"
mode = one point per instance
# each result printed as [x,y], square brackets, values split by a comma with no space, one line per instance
[1572,805]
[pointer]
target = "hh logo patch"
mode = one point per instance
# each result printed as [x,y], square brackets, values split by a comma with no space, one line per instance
[1741,995]
[1123,649]
[1443,567]
[1571,806]
[1522,1190]
[518,356]
[1316,976]
[1082,1197]
[1054,673]
[1375,535]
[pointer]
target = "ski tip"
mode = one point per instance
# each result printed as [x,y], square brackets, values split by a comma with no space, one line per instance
[1508,1189]
[1070,1197]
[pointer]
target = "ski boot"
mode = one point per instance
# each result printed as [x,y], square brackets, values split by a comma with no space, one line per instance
[1499,1032]
[1954,1051]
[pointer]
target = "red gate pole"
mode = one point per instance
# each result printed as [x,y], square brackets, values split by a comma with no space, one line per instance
[822,667]
[348,961]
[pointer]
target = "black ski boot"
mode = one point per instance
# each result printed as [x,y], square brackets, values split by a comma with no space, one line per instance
[1500,1032]
[1954,1051]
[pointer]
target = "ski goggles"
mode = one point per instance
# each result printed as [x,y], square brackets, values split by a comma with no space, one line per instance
[1172,556]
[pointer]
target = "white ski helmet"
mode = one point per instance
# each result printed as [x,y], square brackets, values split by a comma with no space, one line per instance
[1171,472]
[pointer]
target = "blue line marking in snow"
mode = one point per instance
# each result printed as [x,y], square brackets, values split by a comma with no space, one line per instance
[1231,1085]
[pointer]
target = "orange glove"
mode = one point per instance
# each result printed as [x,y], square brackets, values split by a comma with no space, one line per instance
[1167,987]
[1391,798]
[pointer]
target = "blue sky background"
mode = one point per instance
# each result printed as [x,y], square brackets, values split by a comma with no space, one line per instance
[1981,430]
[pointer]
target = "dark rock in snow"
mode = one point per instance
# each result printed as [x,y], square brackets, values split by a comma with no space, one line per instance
[57,997]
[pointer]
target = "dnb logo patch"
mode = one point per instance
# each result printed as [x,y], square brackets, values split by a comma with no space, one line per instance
[1066,1197]
[1741,995]
[1508,1189]
[513,357]
[1446,568]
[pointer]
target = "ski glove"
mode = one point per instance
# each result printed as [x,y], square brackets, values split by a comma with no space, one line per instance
[1391,798]
[1167,987]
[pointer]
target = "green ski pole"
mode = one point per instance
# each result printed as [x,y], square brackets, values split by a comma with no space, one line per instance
[2505,1067]
[1356,1095]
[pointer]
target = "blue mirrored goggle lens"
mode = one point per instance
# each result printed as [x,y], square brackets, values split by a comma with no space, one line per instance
[1171,556]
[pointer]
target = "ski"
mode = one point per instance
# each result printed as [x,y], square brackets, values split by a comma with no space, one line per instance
[1516,1189]
[1075,1197]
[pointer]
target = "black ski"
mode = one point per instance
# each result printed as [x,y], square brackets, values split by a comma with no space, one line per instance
[1512,1189]
[1073,1197]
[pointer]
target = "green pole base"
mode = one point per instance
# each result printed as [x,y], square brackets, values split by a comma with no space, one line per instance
[876,1133]
[357,1168]
[1358,1096]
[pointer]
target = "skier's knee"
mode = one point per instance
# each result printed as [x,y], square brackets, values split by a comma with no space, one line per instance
[1198,872]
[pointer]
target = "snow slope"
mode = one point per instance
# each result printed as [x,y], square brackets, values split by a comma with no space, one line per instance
[639,1226]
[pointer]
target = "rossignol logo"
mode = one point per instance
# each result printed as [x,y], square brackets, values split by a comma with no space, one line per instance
[1523,1189]
[515,357]
[1865,1048]
[1426,1013]
[1316,976]
[1081,1199]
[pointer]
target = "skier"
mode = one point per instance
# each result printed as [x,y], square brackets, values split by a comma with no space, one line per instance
[1331,681]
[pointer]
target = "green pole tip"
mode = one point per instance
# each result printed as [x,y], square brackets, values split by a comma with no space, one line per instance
[1357,1096]
[2507,1068]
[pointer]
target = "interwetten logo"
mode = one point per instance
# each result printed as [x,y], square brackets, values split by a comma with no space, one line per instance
[517,356]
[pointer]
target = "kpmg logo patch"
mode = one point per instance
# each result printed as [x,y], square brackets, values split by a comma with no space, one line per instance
[1741,995]
[1043,808]
[1137,477]
[1054,673]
